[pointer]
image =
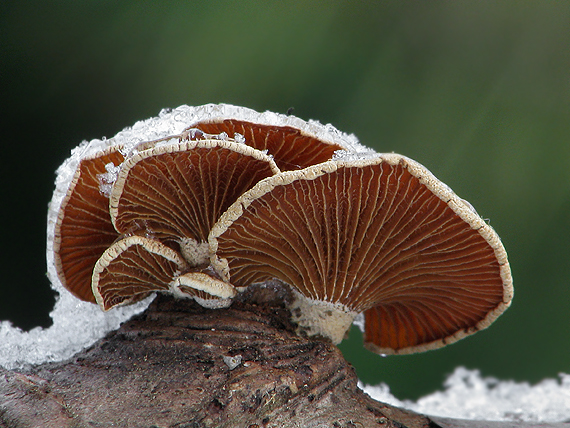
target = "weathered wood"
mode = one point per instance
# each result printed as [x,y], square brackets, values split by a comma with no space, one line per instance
[180,365]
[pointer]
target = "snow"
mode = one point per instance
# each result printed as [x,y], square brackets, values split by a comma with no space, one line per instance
[468,395]
[76,325]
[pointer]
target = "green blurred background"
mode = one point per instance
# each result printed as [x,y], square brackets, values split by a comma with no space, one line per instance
[478,92]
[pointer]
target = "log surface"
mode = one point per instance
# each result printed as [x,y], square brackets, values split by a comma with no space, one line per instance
[180,365]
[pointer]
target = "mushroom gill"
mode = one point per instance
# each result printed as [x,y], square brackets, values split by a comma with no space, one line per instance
[83,229]
[175,193]
[381,236]
[290,147]
[134,267]
[168,197]
[169,194]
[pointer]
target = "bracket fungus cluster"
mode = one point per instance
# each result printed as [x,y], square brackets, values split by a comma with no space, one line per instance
[235,197]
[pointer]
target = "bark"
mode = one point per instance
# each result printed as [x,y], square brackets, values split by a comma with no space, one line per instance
[180,365]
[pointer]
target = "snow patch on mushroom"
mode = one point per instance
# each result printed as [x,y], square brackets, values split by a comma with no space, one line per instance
[107,179]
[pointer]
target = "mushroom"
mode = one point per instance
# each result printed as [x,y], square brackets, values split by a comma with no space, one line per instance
[176,192]
[83,229]
[133,268]
[290,147]
[292,142]
[170,195]
[380,236]
[350,231]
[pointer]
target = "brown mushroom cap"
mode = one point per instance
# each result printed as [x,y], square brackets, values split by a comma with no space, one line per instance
[381,236]
[290,147]
[83,229]
[177,192]
[134,267]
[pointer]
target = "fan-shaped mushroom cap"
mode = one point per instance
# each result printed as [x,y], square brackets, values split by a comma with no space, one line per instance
[134,267]
[380,235]
[83,229]
[176,192]
[290,147]
[229,119]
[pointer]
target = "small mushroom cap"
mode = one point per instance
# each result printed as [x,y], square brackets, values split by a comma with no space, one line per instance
[207,290]
[290,147]
[83,229]
[134,267]
[176,192]
[381,236]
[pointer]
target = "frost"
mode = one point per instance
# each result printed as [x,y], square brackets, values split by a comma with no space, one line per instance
[107,179]
[351,156]
[164,112]
[238,138]
[467,395]
[193,134]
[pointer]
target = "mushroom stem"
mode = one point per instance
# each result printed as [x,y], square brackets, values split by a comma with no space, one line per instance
[315,317]
[194,252]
